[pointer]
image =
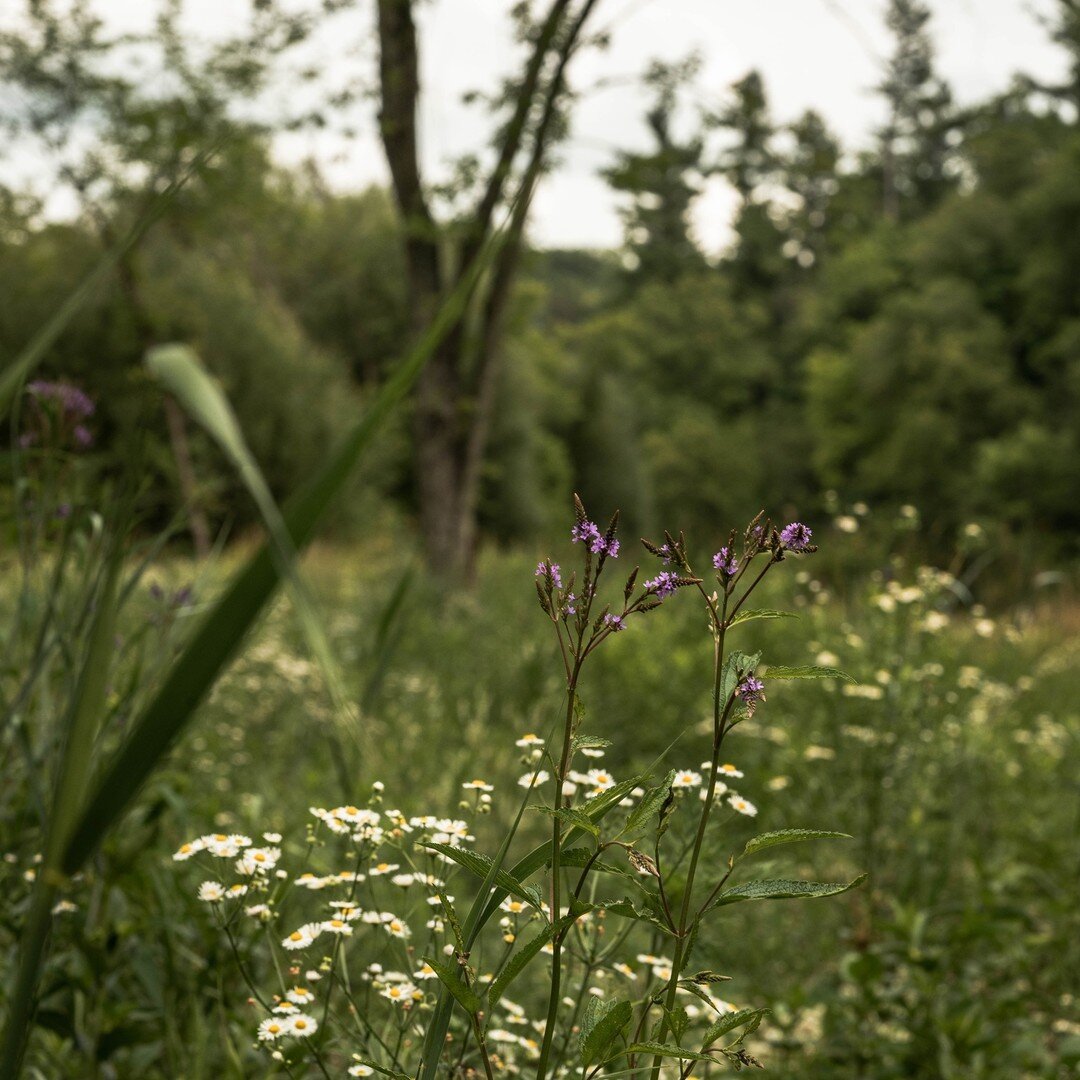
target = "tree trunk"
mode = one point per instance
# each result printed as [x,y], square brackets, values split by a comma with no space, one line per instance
[455,394]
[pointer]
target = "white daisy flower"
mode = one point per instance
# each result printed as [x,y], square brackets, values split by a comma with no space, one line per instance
[300,995]
[272,837]
[303,1025]
[258,911]
[624,969]
[401,993]
[185,851]
[63,907]
[258,860]
[477,785]
[383,868]
[426,972]
[599,780]
[729,770]
[529,740]
[361,1070]
[743,806]
[402,880]
[541,776]
[515,907]
[397,928]
[337,926]
[686,778]
[211,892]
[303,937]
[236,890]
[272,1029]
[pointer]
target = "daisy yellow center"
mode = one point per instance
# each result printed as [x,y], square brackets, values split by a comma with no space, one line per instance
[220,836]
[300,1025]
[351,810]
[336,923]
[274,1029]
[395,926]
[383,866]
[185,848]
[259,857]
[295,935]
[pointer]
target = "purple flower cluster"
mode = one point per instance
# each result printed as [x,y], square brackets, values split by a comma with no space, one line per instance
[550,571]
[588,533]
[70,398]
[74,405]
[796,536]
[615,622]
[570,604]
[725,562]
[666,553]
[664,584]
[750,691]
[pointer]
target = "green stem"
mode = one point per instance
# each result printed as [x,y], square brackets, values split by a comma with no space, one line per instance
[556,884]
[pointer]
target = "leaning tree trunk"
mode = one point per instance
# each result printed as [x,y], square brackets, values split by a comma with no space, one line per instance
[455,395]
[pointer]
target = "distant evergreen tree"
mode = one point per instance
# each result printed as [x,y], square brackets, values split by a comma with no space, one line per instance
[810,172]
[662,184]
[915,141]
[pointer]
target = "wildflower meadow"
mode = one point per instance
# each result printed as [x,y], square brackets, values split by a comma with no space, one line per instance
[539,538]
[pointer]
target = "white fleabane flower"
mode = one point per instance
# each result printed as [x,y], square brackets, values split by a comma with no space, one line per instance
[402,993]
[258,860]
[186,851]
[529,740]
[337,926]
[743,806]
[729,770]
[272,1029]
[211,892]
[383,868]
[592,751]
[300,995]
[302,1025]
[599,780]
[236,890]
[63,907]
[361,1070]
[541,776]
[477,785]
[397,928]
[686,778]
[402,880]
[272,837]
[302,937]
[426,972]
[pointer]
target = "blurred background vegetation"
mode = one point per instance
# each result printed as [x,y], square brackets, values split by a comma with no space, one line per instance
[889,348]
[900,325]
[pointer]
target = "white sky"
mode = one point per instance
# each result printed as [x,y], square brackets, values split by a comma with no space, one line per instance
[821,54]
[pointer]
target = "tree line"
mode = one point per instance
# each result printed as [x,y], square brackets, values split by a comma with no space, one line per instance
[899,324]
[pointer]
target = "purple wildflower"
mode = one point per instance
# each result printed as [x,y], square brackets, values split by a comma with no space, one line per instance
[571,604]
[82,435]
[666,553]
[725,562]
[611,547]
[664,584]
[796,536]
[550,570]
[70,398]
[587,533]
[615,622]
[750,692]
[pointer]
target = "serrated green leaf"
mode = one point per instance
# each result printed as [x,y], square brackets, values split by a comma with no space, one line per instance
[789,836]
[520,960]
[647,805]
[571,817]
[588,742]
[781,889]
[748,615]
[627,909]
[449,977]
[601,1024]
[807,671]
[580,857]
[657,1049]
[730,1022]
[480,865]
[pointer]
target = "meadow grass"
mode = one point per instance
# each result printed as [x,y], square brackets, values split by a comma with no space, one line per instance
[953,763]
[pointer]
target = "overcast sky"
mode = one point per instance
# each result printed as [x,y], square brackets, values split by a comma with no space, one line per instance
[821,54]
